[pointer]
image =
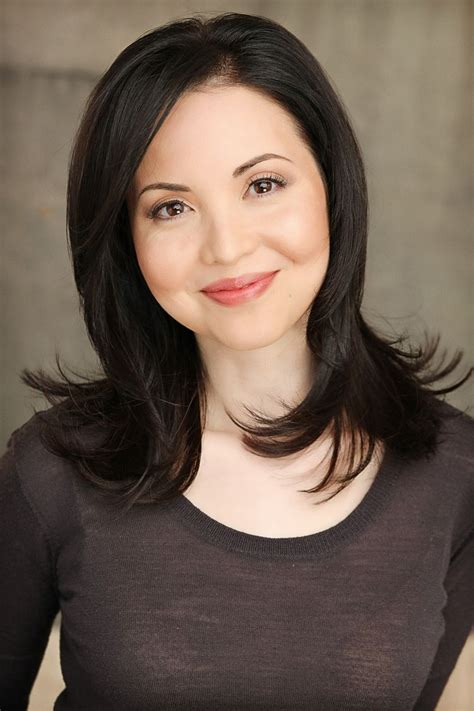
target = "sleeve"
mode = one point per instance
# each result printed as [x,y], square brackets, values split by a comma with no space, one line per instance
[459,620]
[28,593]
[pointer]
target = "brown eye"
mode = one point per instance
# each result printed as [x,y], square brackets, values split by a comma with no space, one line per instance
[267,181]
[169,210]
[174,209]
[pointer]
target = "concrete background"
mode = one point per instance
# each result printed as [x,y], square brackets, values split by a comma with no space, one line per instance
[404,71]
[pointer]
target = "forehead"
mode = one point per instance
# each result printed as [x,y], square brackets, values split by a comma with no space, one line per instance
[217,125]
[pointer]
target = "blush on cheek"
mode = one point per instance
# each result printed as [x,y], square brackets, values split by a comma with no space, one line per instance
[322,245]
[303,234]
[163,272]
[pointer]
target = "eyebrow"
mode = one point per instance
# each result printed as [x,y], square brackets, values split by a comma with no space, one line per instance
[238,171]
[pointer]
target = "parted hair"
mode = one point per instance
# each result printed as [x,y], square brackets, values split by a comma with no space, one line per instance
[134,430]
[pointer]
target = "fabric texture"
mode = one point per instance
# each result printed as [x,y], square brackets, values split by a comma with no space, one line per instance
[166,608]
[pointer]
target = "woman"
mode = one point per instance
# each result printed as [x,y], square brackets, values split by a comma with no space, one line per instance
[196,567]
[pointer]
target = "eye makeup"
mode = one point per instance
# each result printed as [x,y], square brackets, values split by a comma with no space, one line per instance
[152,214]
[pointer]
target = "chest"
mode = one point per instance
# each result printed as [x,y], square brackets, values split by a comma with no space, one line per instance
[194,625]
[157,615]
[265,497]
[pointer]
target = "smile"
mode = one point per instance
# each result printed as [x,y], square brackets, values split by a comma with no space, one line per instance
[239,296]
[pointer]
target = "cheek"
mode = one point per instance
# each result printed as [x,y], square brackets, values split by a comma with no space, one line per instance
[167,274]
[305,234]
[163,268]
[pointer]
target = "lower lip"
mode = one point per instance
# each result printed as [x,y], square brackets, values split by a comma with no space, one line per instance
[239,296]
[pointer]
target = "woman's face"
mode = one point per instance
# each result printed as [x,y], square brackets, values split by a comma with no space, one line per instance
[222,226]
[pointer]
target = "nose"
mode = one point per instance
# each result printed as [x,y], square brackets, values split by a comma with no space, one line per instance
[226,241]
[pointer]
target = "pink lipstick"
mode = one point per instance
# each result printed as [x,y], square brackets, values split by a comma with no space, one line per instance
[233,297]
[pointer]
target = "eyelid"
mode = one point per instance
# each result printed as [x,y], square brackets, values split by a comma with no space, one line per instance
[280,182]
[265,176]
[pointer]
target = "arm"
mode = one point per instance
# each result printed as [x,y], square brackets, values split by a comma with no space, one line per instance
[459,616]
[28,597]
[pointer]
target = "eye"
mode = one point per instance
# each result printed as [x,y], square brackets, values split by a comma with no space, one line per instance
[269,180]
[178,204]
[153,214]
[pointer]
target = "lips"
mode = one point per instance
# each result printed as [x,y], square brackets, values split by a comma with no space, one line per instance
[237,283]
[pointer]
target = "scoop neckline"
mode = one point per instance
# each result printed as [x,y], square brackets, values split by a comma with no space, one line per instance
[321,542]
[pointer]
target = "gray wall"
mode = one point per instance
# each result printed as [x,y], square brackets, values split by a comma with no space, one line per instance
[402,69]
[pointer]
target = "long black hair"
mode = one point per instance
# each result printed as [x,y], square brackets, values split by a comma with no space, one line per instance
[134,430]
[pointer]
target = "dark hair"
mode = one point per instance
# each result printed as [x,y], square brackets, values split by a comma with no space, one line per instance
[146,411]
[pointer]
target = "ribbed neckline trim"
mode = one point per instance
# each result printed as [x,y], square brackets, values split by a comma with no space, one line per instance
[318,543]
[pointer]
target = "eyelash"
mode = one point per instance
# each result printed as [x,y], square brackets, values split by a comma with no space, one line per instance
[276,179]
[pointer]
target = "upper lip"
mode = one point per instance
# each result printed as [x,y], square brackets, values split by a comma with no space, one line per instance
[238,282]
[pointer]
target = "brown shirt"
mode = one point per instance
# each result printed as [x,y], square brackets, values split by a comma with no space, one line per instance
[166,608]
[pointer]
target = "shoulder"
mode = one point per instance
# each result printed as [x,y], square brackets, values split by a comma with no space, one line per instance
[456,439]
[452,468]
[25,439]
[43,479]
[27,447]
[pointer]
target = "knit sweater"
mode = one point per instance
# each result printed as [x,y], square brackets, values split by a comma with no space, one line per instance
[165,608]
